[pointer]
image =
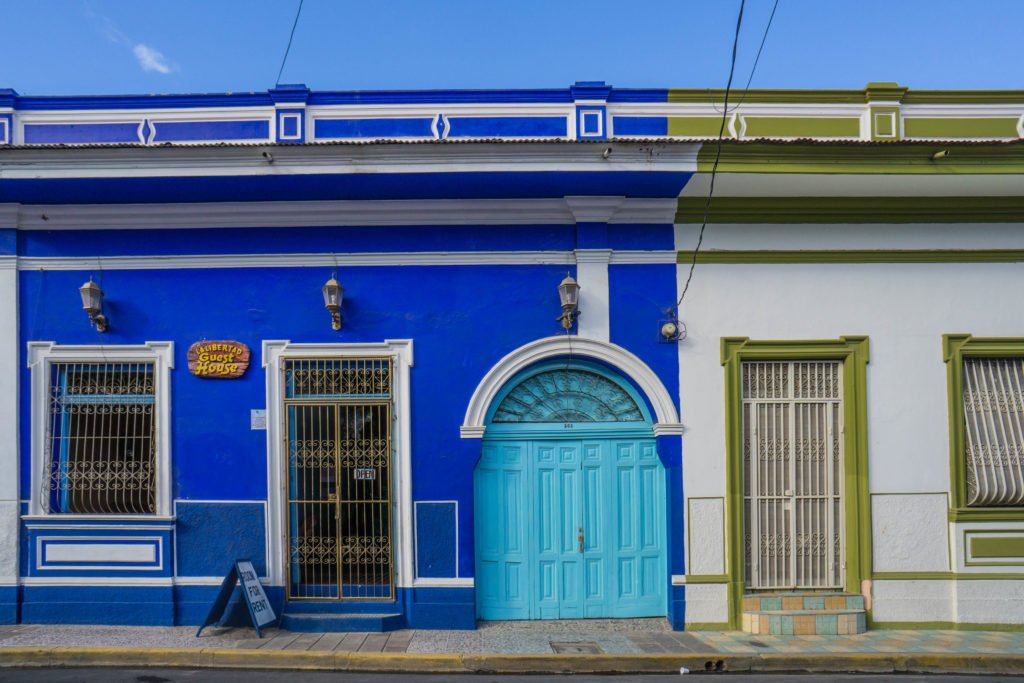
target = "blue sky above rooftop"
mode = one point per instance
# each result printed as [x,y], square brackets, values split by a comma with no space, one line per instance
[64,47]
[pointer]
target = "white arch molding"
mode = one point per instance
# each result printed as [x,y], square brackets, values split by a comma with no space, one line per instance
[665,413]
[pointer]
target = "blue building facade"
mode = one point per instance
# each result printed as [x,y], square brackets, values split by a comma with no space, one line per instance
[451,453]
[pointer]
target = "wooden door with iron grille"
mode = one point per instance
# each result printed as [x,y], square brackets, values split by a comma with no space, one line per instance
[338,414]
[793,475]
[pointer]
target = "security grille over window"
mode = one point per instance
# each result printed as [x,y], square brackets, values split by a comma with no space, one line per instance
[101,439]
[994,428]
[338,435]
[793,464]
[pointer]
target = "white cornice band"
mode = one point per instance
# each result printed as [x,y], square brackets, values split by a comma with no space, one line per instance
[331,260]
[338,213]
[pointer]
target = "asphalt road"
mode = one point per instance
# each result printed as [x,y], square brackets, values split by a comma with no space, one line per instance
[249,676]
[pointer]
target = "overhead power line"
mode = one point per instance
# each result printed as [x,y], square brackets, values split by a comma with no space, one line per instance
[718,153]
[291,36]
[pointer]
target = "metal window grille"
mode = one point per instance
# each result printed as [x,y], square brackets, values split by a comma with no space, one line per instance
[338,435]
[993,395]
[101,439]
[792,484]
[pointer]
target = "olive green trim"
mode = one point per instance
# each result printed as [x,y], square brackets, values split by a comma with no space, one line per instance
[886,91]
[852,210]
[942,625]
[800,127]
[964,97]
[998,547]
[966,514]
[889,91]
[914,576]
[706,578]
[955,347]
[856,256]
[947,576]
[706,626]
[853,351]
[840,157]
[991,127]
[717,96]
[885,123]
[696,126]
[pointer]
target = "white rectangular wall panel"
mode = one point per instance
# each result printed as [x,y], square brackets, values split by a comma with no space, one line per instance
[990,602]
[706,539]
[707,603]
[914,601]
[910,532]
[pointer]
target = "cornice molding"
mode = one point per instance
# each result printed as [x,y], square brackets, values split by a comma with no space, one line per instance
[334,260]
[355,158]
[764,210]
[856,256]
[285,214]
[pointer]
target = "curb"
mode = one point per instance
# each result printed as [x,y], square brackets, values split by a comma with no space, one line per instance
[209,658]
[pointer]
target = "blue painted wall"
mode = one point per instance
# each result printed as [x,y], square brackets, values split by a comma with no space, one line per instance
[463,320]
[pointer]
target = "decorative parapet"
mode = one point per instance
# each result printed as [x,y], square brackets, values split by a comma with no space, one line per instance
[585,111]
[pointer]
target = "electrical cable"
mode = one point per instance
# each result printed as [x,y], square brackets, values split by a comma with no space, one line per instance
[757,59]
[288,49]
[718,154]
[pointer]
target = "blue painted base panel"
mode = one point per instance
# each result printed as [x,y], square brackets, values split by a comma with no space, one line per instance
[441,608]
[8,604]
[120,605]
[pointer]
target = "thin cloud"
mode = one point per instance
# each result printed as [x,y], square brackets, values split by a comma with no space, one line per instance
[148,57]
[151,59]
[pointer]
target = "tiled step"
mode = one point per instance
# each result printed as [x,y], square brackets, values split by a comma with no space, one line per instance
[836,614]
[337,623]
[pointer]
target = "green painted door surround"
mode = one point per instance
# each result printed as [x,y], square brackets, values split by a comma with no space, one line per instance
[853,352]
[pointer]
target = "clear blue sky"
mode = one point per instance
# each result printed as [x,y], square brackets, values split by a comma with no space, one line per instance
[159,46]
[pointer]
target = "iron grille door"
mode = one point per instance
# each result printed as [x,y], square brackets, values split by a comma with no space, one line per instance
[793,481]
[338,437]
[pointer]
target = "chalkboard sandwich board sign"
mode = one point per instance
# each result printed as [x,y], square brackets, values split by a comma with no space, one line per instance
[260,611]
[218,359]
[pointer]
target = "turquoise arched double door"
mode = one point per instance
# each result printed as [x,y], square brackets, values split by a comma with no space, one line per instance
[569,500]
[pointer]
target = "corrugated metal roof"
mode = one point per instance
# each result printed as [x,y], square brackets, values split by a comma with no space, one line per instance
[508,141]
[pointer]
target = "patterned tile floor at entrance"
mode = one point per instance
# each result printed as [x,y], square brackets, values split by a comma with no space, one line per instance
[611,636]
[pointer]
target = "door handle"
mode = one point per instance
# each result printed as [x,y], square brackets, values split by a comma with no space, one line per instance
[580,539]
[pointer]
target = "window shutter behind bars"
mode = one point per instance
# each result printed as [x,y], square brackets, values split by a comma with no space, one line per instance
[993,394]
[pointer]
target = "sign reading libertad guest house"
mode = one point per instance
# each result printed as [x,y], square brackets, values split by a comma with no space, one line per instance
[218,359]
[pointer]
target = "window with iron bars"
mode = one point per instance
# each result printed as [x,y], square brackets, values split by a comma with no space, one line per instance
[993,429]
[101,438]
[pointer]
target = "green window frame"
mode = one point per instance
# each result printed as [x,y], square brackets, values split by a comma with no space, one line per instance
[955,348]
[853,352]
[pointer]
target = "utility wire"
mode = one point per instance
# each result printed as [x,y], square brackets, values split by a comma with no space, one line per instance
[757,59]
[290,37]
[718,153]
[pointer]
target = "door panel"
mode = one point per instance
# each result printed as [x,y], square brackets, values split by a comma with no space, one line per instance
[612,492]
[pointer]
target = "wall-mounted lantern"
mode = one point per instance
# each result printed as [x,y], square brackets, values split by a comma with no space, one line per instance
[569,293]
[92,302]
[333,295]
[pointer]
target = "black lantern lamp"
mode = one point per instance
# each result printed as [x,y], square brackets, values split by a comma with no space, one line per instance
[92,302]
[569,293]
[333,295]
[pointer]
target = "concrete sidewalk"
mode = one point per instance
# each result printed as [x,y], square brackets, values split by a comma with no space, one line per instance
[638,645]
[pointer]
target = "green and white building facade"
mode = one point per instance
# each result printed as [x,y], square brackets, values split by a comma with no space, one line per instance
[852,381]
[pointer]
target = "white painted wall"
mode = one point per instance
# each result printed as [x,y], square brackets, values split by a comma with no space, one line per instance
[910,533]
[904,309]
[707,603]
[9,512]
[914,601]
[706,541]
